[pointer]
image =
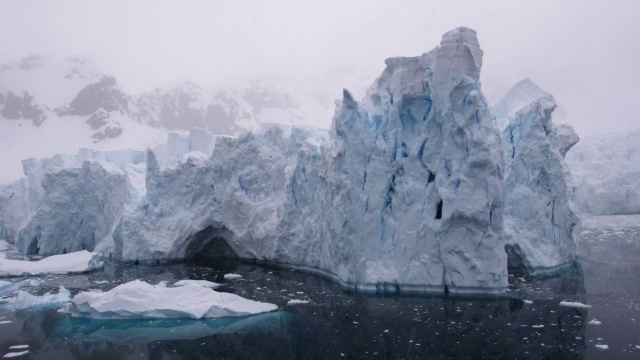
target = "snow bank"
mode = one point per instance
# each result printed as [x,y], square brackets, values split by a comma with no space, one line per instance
[138,299]
[77,262]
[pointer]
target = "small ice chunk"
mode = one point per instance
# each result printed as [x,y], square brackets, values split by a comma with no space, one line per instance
[595,322]
[100,282]
[203,283]
[574,304]
[297,302]
[232,276]
[18,347]
[5,322]
[528,302]
[602,346]
[15,354]
[537,326]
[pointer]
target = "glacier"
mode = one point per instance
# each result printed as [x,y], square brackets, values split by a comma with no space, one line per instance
[408,191]
[542,220]
[606,169]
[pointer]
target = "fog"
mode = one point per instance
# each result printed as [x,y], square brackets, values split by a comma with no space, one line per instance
[584,53]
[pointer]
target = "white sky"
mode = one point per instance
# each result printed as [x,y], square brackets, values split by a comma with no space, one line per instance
[586,53]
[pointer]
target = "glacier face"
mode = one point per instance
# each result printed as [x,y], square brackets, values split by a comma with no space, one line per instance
[606,169]
[542,222]
[403,193]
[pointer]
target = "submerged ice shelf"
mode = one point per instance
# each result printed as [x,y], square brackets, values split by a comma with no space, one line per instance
[405,192]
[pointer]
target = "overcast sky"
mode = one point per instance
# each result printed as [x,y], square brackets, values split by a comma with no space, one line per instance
[585,53]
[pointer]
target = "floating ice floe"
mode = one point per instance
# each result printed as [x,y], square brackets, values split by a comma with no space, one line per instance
[595,322]
[574,304]
[528,302]
[297,302]
[203,283]
[24,300]
[76,262]
[232,276]
[602,346]
[18,347]
[15,354]
[138,299]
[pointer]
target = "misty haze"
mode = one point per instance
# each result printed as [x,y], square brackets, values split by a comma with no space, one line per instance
[297,180]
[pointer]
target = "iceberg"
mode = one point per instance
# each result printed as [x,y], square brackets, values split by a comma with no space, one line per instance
[542,221]
[140,300]
[404,193]
[415,188]
[78,262]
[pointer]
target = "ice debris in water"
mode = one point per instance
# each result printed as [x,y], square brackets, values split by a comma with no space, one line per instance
[297,302]
[602,346]
[76,262]
[203,283]
[15,354]
[574,304]
[595,322]
[232,276]
[138,299]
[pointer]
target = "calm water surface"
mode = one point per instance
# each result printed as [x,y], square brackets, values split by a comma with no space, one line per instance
[337,325]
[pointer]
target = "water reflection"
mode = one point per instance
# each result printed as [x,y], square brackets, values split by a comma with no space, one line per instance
[333,325]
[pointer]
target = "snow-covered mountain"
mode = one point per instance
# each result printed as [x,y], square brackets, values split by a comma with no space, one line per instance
[606,170]
[50,106]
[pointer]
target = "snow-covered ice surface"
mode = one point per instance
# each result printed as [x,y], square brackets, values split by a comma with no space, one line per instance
[77,262]
[606,170]
[138,299]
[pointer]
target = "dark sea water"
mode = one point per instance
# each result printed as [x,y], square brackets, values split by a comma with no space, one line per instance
[336,324]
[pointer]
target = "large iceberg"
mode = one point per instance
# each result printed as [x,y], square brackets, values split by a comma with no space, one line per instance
[405,192]
[140,300]
[542,222]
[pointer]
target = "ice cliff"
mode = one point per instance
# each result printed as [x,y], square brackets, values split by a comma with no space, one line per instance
[606,169]
[542,221]
[405,192]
